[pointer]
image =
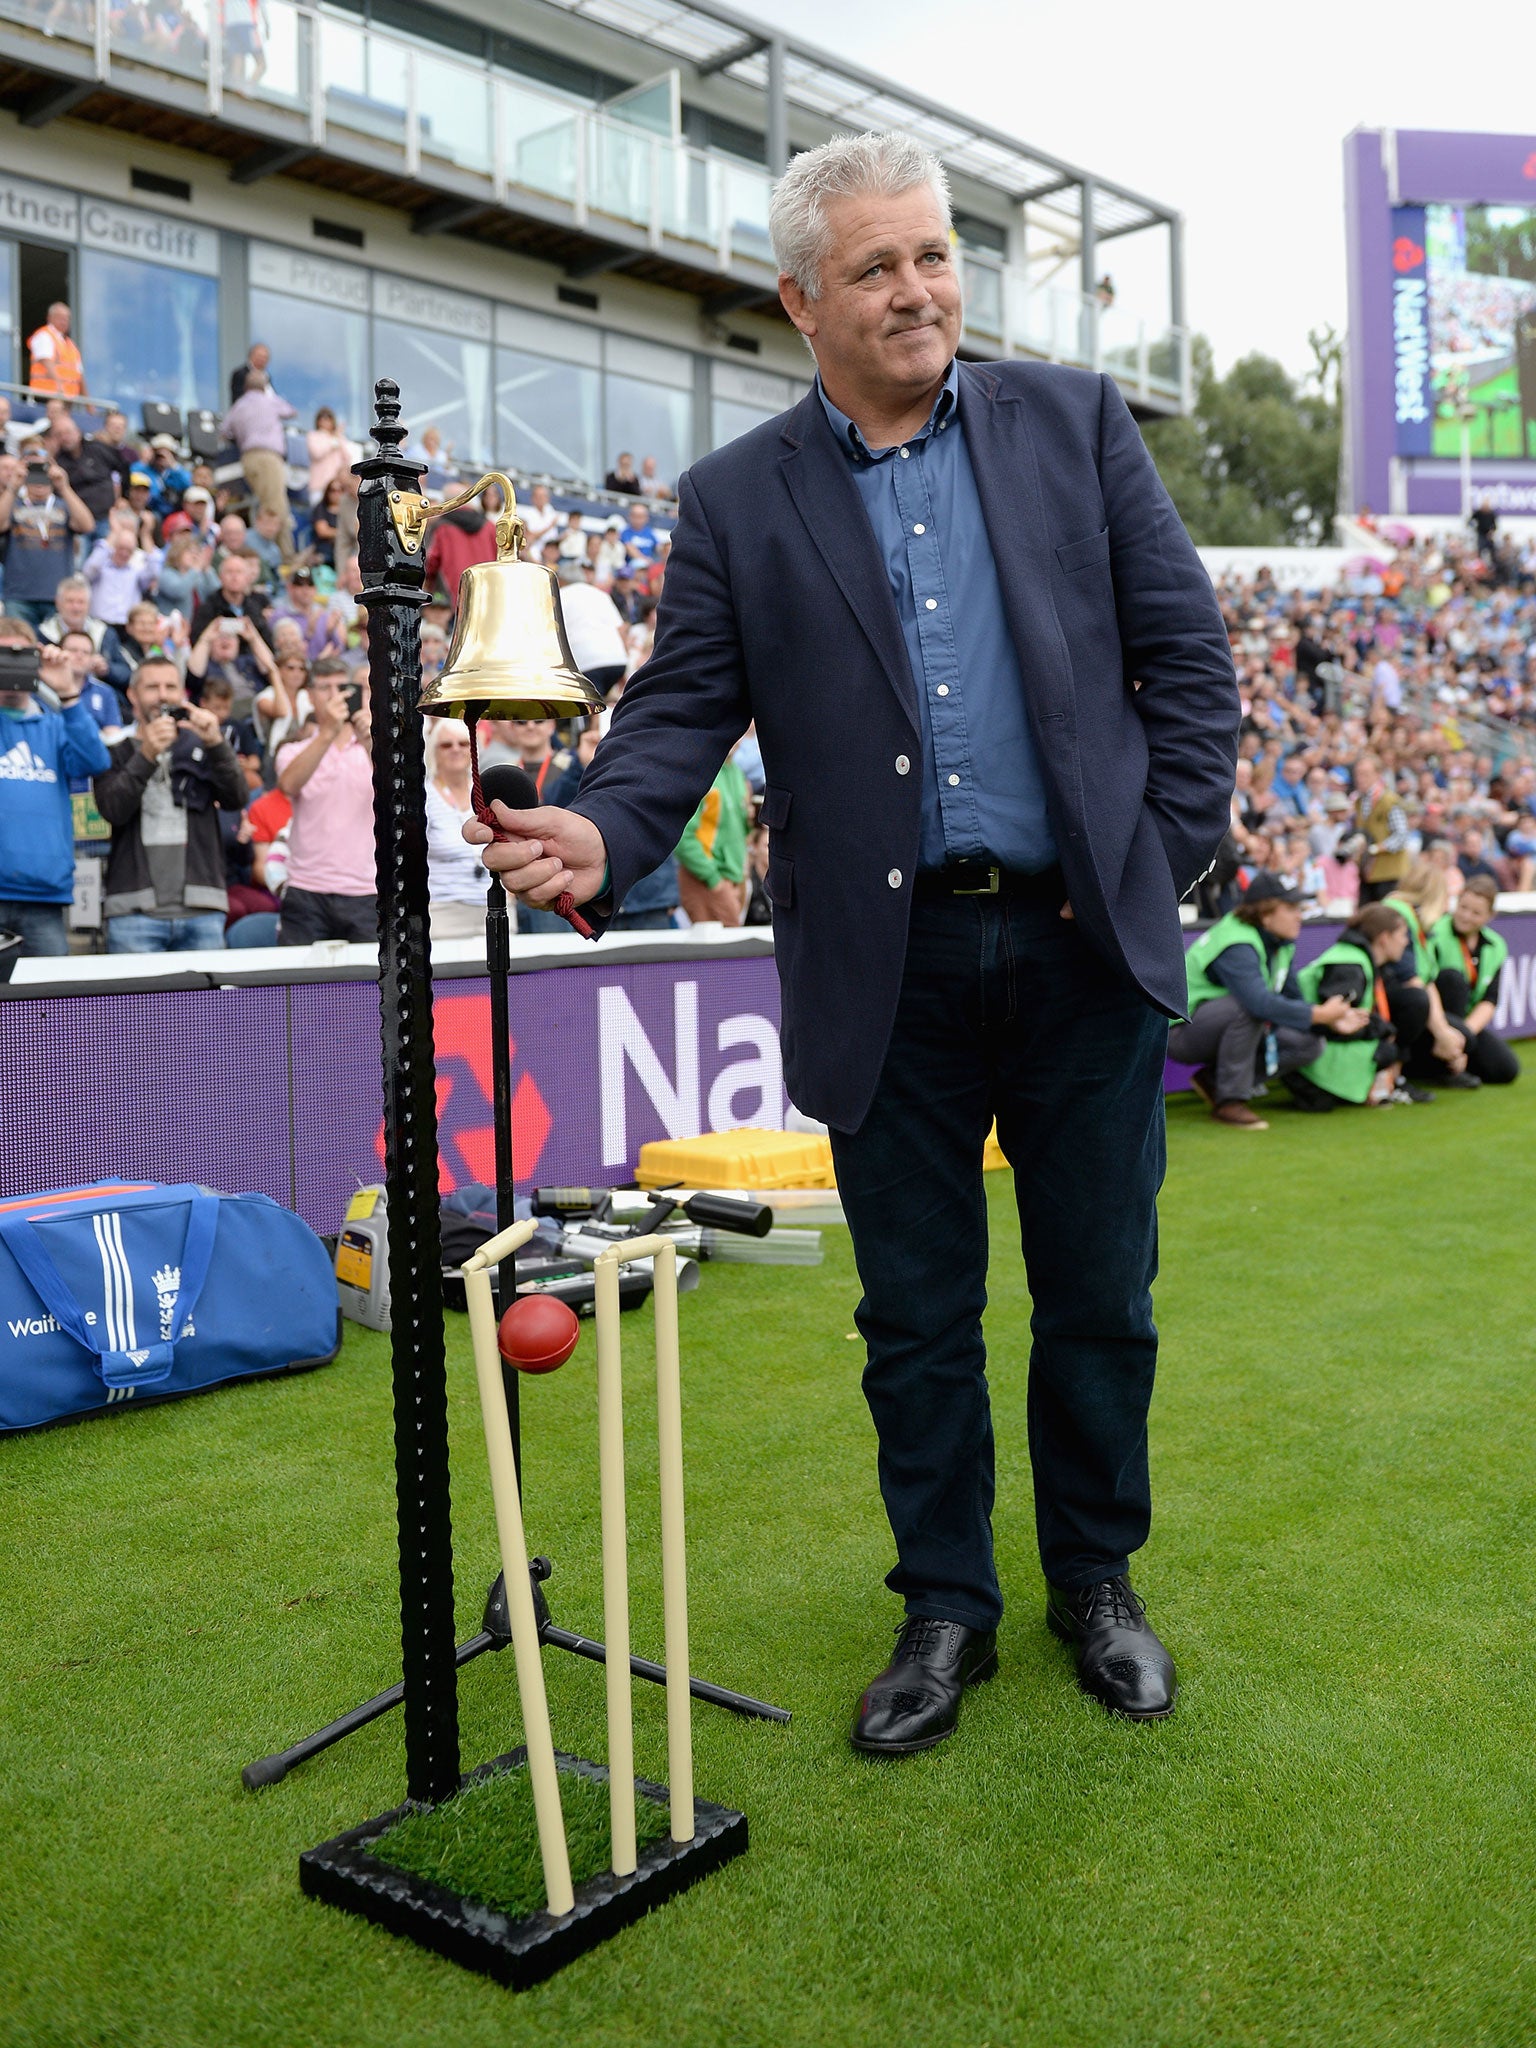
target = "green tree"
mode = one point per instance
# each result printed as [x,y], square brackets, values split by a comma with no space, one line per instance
[1256,463]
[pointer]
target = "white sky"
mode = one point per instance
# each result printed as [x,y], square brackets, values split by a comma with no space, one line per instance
[1234,114]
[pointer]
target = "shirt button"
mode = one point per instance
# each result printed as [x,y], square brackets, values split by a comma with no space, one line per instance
[954,782]
[894,878]
[904,453]
[933,604]
[942,691]
[919,529]
[902,764]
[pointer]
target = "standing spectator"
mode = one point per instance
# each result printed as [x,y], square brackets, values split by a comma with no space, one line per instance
[39,515]
[651,485]
[324,519]
[193,515]
[257,357]
[92,469]
[459,539]
[113,436]
[255,423]
[41,752]
[621,479]
[327,453]
[124,647]
[331,892]
[234,653]
[169,477]
[712,854]
[235,598]
[72,614]
[232,536]
[86,668]
[1379,814]
[54,365]
[593,627]
[136,500]
[1484,522]
[262,540]
[119,571]
[167,782]
[539,520]
[456,885]
[186,575]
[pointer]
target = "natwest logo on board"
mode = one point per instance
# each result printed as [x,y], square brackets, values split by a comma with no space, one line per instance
[1412,393]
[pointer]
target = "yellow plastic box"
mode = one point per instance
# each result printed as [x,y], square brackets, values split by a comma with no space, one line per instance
[744,1158]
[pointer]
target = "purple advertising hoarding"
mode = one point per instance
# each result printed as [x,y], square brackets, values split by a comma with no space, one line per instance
[275,1088]
[1442,319]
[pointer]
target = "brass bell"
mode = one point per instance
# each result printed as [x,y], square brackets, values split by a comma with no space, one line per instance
[509,656]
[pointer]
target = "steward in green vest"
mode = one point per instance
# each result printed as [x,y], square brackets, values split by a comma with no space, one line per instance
[1469,958]
[1363,1064]
[1434,1046]
[1248,1017]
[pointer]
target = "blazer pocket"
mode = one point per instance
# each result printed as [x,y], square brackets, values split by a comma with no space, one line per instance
[781,881]
[773,811]
[1082,554]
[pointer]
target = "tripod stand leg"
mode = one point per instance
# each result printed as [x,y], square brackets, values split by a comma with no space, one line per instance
[715,1695]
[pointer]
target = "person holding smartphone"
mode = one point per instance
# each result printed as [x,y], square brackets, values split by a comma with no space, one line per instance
[331,892]
[41,750]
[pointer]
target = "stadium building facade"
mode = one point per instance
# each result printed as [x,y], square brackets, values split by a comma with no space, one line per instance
[546,218]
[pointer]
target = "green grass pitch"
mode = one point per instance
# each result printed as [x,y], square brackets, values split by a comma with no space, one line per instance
[1331,1843]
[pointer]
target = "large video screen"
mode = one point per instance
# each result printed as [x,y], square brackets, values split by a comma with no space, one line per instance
[1480,273]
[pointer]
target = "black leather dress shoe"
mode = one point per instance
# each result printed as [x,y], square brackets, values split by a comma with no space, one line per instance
[915,1701]
[1120,1661]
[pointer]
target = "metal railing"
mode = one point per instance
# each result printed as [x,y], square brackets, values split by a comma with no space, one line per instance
[335,80]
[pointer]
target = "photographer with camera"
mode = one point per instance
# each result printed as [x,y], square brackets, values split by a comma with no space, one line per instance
[39,517]
[167,781]
[331,891]
[41,751]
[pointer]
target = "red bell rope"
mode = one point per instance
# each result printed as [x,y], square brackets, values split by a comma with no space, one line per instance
[563,905]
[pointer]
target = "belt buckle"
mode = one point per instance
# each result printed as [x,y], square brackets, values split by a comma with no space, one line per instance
[989,887]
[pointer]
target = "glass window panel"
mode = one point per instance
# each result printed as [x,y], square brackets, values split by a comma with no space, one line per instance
[445,382]
[647,419]
[365,81]
[171,35]
[619,171]
[728,419]
[319,357]
[454,105]
[547,416]
[273,62]
[148,332]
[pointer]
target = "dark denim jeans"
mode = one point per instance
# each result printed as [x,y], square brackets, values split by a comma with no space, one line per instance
[1005,1010]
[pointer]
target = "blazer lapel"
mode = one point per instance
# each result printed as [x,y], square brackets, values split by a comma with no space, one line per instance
[827,499]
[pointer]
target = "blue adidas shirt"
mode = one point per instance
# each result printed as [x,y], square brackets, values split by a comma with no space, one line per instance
[40,751]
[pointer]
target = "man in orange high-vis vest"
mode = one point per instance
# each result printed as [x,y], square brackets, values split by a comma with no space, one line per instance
[55,366]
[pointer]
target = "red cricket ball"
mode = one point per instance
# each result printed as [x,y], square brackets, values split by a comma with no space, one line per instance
[538,1333]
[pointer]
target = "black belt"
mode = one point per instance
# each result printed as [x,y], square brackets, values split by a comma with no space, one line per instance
[984,878]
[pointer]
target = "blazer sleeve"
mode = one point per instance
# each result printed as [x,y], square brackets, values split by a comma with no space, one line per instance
[1176,649]
[679,716]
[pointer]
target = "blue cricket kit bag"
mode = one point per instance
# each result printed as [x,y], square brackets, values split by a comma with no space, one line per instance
[135,1290]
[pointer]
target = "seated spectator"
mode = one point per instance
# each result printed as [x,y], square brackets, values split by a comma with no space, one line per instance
[119,571]
[166,783]
[434,652]
[621,479]
[1248,1019]
[136,500]
[539,520]
[573,541]
[262,542]
[39,515]
[194,515]
[1469,957]
[1472,858]
[712,854]
[232,653]
[1363,1065]
[87,668]
[1520,847]
[652,485]
[114,437]
[124,647]
[186,575]
[218,696]
[457,885]
[265,827]
[321,629]
[247,896]
[169,477]
[612,556]
[72,614]
[640,537]
[323,517]
[230,537]
[41,752]
[331,886]
[328,454]
[235,598]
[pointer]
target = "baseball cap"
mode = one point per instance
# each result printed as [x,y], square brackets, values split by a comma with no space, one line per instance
[1268,888]
[197,496]
[165,441]
[294,575]
[140,476]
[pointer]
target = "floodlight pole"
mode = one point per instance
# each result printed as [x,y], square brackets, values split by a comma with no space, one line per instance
[394,591]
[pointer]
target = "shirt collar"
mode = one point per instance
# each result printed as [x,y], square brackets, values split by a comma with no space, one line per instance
[852,442]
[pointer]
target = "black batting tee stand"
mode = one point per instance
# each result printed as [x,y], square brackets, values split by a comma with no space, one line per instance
[394,592]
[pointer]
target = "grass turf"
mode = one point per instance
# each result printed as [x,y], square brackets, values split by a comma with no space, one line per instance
[484,1843]
[1330,1843]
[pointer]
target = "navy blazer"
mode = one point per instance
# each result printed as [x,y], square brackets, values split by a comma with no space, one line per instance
[777,608]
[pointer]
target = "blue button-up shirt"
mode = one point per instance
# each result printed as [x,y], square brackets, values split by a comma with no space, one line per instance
[983,791]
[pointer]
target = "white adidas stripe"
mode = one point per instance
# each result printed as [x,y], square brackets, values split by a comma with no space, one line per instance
[115,1222]
[109,1284]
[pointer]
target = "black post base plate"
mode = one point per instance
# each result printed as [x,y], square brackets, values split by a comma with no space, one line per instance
[517,1953]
